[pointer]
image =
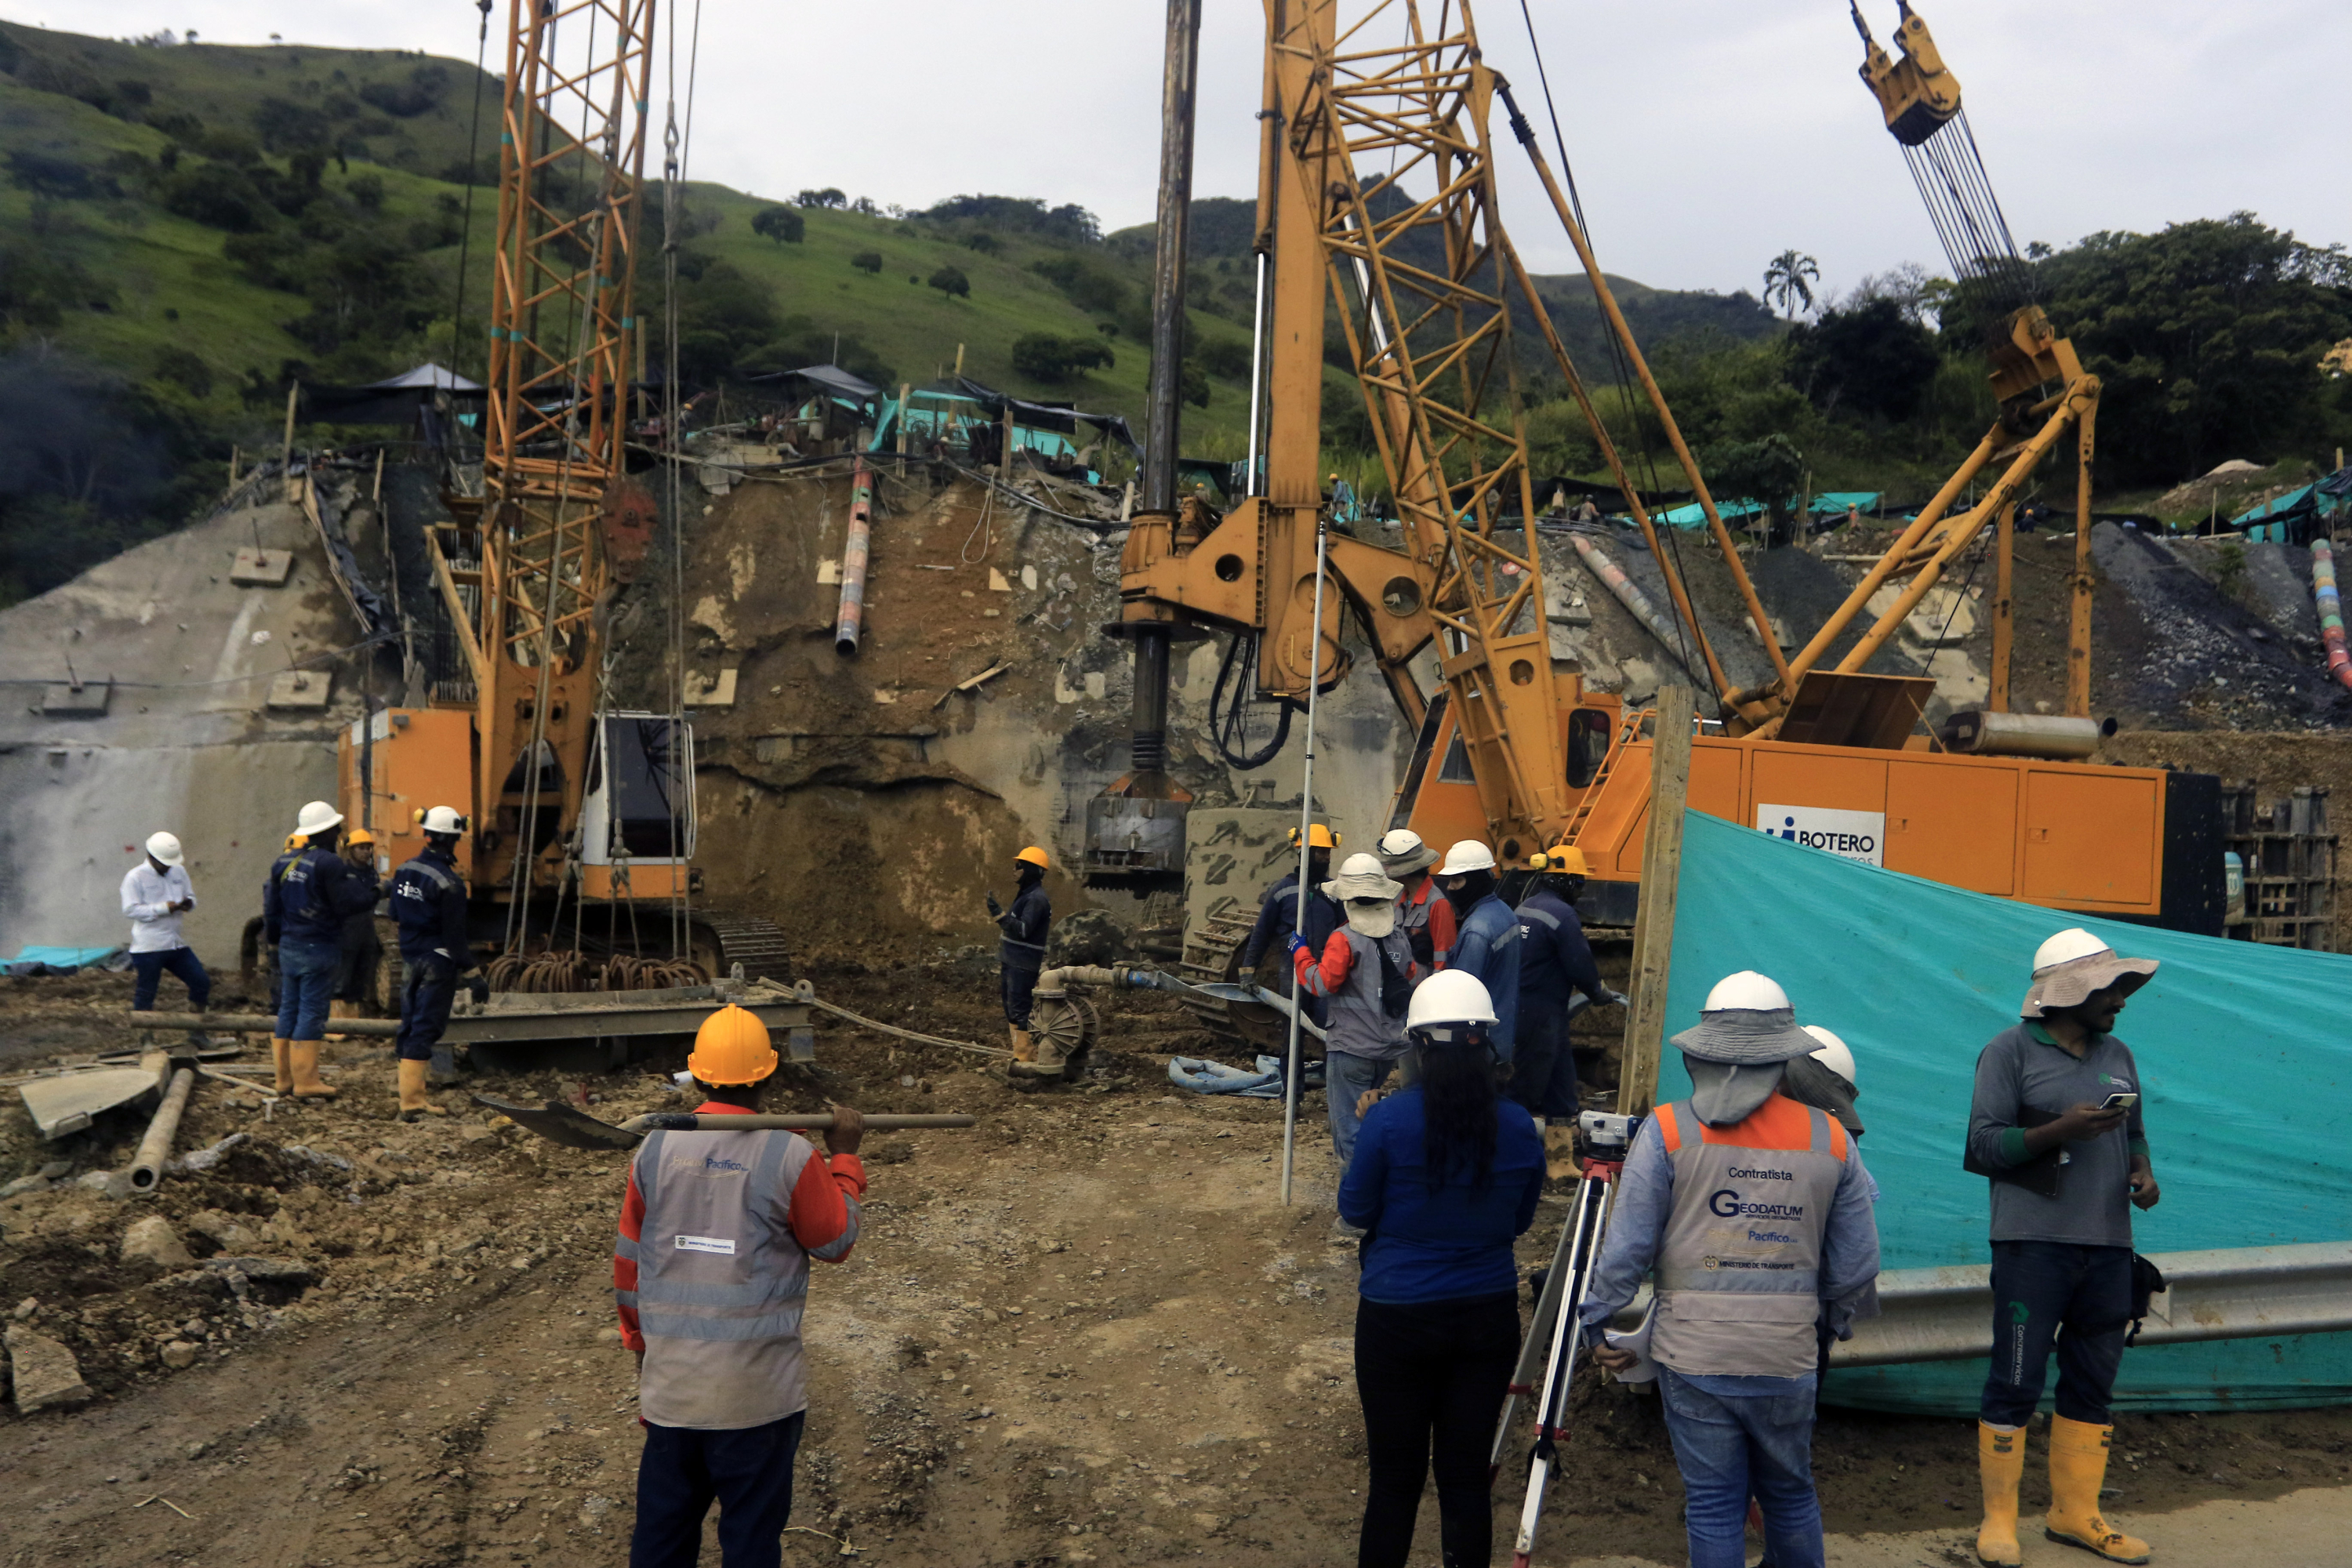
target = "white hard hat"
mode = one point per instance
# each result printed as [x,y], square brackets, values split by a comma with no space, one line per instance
[1449,997]
[1362,865]
[1468,855]
[317,817]
[1746,992]
[1399,842]
[1833,1053]
[2068,946]
[442,819]
[165,848]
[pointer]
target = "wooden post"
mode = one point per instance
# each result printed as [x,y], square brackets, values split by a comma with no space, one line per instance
[377,495]
[286,456]
[234,453]
[905,400]
[959,359]
[1654,923]
[1004,456]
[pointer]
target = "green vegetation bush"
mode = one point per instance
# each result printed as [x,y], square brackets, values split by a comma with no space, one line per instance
[781,225]
[1042,356]
[951,282]
[867,261]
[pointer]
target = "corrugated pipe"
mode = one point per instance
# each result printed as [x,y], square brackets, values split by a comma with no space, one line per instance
[2331,610]
[853,560]
[1633,599]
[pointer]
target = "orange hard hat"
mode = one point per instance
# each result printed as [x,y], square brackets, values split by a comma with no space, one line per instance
[359,835]
[1561,860]
[1033,856]
[732,1048]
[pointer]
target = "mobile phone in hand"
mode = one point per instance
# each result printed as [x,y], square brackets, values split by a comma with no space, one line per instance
[2119,1100]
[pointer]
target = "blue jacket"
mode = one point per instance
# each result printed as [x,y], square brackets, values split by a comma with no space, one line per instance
[1022,944]
[1450,1243]
[1554,957]
[428,903]
[307,898]
[1488,947]
[1277,917]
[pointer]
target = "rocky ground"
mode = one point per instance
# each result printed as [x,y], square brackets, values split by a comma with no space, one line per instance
[1086,1331]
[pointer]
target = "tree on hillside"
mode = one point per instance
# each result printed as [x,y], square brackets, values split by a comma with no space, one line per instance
[1789,278]
[2207,339]
[867,261]
[1867,360]
[1041,356]
[1768,469]
[951,280]
[781,225]
[831,196]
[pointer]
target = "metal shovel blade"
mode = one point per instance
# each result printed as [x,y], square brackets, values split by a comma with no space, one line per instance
[561,1123]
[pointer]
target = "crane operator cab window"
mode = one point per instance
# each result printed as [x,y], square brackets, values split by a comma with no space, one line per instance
[641,789]
[1587,745]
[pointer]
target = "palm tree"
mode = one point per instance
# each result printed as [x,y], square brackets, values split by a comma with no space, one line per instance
[1789,278]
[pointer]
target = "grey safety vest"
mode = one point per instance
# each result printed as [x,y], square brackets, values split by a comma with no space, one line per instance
[721,1282]
[1357,1023]
[1738,1271]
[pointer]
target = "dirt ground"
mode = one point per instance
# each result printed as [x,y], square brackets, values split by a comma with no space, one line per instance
[1085,1332]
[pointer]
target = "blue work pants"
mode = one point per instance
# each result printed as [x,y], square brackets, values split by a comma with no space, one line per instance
[149,968]
[426,994]
[746,1470]
[1730,1447]
[306,984]
[1345,1077]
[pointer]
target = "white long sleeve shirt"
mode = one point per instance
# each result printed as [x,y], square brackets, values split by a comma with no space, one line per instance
[147,898]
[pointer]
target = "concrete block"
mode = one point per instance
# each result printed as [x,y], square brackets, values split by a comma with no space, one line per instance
[261,568]
[154,1240]
[710,690]
[301,691]
[44,1372]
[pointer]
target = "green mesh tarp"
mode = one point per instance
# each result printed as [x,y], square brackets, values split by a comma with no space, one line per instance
[2245,1056]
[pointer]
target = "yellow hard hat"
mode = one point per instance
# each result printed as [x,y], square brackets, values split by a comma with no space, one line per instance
[1561,860]
[1319,837]
[359,835]
[1033,856]
[732,1048]
[295,841]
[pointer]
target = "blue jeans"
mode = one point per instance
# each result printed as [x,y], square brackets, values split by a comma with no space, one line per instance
[308,971]
[1730,1447]
[746,1471]
[150,967]
[425,997]
[2036,1287]
[1345,1079]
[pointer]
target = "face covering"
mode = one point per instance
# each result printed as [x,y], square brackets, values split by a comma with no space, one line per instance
[1375,918]
[1476,886]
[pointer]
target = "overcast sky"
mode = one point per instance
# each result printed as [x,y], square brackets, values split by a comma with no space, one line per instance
[1707,135]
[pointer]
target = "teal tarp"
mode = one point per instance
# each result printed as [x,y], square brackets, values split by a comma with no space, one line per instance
[2295,500]
[2245,1059]
[1838,500]
[1694,515]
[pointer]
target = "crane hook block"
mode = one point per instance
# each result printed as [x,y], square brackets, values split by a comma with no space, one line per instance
[1916,93]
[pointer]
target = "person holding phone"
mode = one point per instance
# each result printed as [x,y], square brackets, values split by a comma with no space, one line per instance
[2056,1125]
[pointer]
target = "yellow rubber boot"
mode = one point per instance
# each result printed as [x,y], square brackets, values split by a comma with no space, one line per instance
[2000,1465]
[415,1094]
[1024,1045]
[2078,1467]
[307,1084]
[279,1052]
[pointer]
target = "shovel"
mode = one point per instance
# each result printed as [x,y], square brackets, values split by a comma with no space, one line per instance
[575,1128]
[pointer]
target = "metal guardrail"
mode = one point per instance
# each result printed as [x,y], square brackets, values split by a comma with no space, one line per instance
[2225,1293]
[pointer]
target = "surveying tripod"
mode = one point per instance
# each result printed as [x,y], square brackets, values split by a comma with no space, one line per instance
[1557,1335]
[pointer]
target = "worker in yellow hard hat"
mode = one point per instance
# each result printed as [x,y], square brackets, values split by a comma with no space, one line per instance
[711,1273]
[1558,980]
[360,949]
[1021,953]
[1277,914]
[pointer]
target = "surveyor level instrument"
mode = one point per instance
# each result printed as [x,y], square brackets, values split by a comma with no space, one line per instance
[575,1128]
[1554,1335]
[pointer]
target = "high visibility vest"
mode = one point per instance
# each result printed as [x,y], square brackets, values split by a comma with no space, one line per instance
[1738,1271]
[721,1282]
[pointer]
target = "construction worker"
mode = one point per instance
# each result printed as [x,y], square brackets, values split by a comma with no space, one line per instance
[1423,913]
[710,1272]
[1445,1177]
[303,907]
[1021,953]
[294,842]
[1366,972]
[362,949]
[156,893]
[1487,944]
[1277,912]
[428,906]
[1558,980]
[1825,1078]
[2055,1124]
[1755,1216]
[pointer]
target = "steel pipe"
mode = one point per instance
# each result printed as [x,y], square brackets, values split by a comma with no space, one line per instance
[255,1022]
[1984,733]
[2331,610]
[1613,578]
[854,554]
[147,1165]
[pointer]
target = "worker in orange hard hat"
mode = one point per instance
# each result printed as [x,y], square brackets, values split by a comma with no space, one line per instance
[711,1274]
[1021,953]
[1277,914]
[1558,980]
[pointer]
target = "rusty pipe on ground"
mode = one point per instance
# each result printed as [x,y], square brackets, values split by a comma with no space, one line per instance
[1613,578]
[256,1023]
[147,1165]
[2331,609]
[853,556]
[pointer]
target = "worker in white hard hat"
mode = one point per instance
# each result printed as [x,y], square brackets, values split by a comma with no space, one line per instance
[2056,1124]
[428,906]
[156,893]
[1825,1078]
[303,906]
[1487,944]
[1423,913]
[1445,1177]
[1755,1217]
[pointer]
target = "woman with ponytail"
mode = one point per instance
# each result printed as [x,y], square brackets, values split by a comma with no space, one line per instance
[1444,1179]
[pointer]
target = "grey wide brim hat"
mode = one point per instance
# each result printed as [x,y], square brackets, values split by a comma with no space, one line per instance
[1405,865]
[1739,1036]
[2068,984]
[1362,885]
